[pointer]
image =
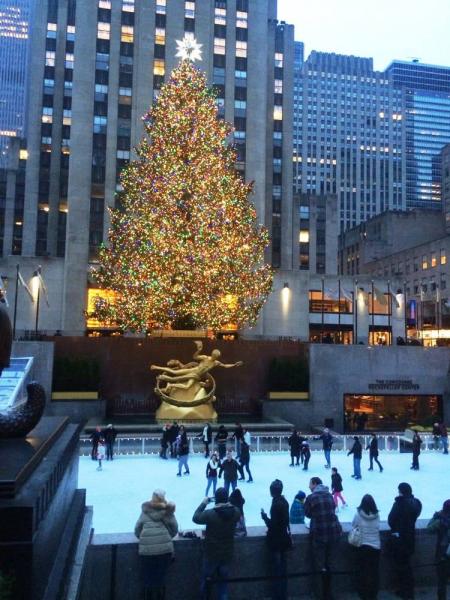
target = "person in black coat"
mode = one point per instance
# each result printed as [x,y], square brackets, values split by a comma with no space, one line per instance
[327,444]
[245,461]
[356,450]
[164,441]
[278,538]
[95,437]
[402,521]
[182,446]
[109,435]
[295,444]
[372,447]
[238,436]
[416,445]
[221,441]
[230,469]
[173,434]
[306,455]
[440,524]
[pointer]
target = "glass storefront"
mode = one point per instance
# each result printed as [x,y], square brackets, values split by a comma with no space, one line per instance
[390,412]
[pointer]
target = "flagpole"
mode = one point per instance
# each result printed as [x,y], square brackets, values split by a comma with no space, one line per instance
[373,316]
[15,302]
[437,309]
[389,312]
[355,310]
[37,307]
[339,309]
[405,316]
[323,301]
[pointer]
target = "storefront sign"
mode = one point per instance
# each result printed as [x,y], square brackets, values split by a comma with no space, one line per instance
[394,384]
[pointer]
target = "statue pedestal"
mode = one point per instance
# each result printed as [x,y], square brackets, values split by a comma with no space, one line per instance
[203,412]
[41,510]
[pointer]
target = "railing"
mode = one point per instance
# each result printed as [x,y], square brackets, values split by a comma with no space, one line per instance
[151,444]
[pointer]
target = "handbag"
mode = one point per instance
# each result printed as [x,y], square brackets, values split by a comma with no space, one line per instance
[355,537]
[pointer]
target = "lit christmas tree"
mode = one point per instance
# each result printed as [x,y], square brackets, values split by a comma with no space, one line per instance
[184,245]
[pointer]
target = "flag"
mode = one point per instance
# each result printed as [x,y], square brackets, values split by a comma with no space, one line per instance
[24,285]
[333,294]
[43,286]
[364,295]
[3,296]
[394,299]
[379,296]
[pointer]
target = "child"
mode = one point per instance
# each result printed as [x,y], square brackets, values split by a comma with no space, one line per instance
[306,455]
[100,453]
[297,511]
[336,487]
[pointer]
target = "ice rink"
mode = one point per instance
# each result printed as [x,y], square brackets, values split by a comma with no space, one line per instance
[117,492]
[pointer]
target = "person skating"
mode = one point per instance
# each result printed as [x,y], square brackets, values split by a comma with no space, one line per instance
[245,461]
[306,455]
[212,469]
[372,447]
[297,510]
[155,528]
[436,433]
[444,437]
[440,525]
[295,445]
[325,531]
[206,437]
[174,429]
[95,437]
[221,441]
[238,436]
[182,446]
[220,524]
[367,520]
[416,446]
[356,450]
[327,444]
[278,538]
[402,521]
[336,487]
[109,435]
[100,453]
[164,441]
[230,469]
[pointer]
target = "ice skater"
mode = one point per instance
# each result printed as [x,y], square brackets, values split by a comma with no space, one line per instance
[206,437]
[211,472]
[327,444]
[416,445]
[182,445]
[336,488]
[221,441]
[244,459]
[95,437]
[372,447]
[100,453]
[356,450]
[109,435]
[230,469]
[295,444]
[164,441]
[306,455]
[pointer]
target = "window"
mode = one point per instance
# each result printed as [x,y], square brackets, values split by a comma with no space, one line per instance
[50,59]
[127,34]
[103,31]
[160,35]
[159,67]
[278,86]
[220,16]
[278,59]
[241,49]
[278,113]
[219,46]
[433,259]
[443,256]
[424,262]
[161,7]
[241,19]
[303,237]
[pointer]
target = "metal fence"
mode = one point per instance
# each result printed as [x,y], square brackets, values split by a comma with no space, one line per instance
[141,444]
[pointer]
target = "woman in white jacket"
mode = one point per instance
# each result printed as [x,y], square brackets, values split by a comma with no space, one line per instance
[367,520]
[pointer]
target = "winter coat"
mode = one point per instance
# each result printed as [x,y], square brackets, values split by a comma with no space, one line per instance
[373,447]
[220,524]
[212,468]
[96,436]
[238,433]
[336,483]
[402,520]
[230,470]
[206,434]
[278,537]
[297,512]
[155,528]
[416,444]
[173,433]
[320,507]
[369,526]
[327,440]
[182,445]
[245,453]
[295,444]
[356,450]
[109,435]
[443,430]
[165,437]
[440,524]
[221,436]
[306,452]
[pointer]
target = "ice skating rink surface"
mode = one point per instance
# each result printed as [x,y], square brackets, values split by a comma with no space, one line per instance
[117,492]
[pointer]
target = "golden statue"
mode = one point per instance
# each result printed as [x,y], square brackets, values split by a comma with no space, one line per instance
[188,393]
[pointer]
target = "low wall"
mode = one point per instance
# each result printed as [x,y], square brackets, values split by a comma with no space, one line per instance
[111,567]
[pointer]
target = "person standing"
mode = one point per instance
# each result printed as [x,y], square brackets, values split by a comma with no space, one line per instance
[238,436]
[182,444]
[327,444]
[278,538]
[155,529]
[109,435]
[206,437]
[95,436]
[356,450]
[245,460]
[294,442]
[402,521]
[372,447]
[212,469]
[416,445]
[306,455]
[247,437]
[221,441]
[444,437]
[436,433]
[336,487]
[219,540]
[100,453]
[230,468]
[440,524]
[174,429]
[164,441]
[367,520]
[325,530]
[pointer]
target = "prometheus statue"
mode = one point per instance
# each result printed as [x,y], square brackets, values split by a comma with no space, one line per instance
[187,390]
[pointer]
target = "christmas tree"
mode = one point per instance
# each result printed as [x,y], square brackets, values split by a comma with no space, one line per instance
[184,244]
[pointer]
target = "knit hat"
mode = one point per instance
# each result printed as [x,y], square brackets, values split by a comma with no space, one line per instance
[276,487]
[221,495]
[159,496]
[446,506]
[405,489]
[300,495]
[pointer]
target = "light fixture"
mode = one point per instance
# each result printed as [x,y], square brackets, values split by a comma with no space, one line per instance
[286,284]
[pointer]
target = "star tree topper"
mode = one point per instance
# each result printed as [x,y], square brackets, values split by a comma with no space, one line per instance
[189,49]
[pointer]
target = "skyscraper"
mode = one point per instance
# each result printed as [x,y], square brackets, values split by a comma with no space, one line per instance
[426,101]
[348,135]
[15,16]
[96,66]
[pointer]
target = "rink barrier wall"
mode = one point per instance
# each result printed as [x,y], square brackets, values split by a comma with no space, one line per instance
[111,568]
[147,444]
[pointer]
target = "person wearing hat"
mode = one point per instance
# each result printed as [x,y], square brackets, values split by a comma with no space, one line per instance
[278,538]
[156,528]
[402,521]
[356,450]
[220,524]
[109,435]
[297,510]
[440,524]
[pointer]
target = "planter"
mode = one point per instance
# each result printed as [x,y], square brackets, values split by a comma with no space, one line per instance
[74,395]
[288,395]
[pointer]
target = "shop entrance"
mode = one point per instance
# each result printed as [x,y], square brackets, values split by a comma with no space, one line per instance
[390,412]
